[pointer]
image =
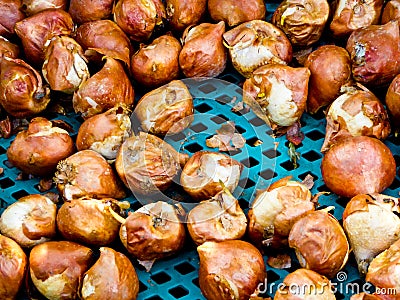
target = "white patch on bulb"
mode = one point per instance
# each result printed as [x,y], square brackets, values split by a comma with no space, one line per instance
[281,108]
[52,287]
[50,131]
[79,72]
[87,288]
[341,5]
[108,147]
[248,56]
[91,102]
[354,124]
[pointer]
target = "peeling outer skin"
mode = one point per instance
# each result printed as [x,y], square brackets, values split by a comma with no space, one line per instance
[139,18]
[203,53]
[383,272]
[234,12]
[104,38]
[166,110]
[88,221]
[234,275]
[281,91]
[184,13]
[8,49]
[29,221]
[257,43]
[217,219]
[153,232]
[57,267]
[320,243]
[107,88]
[391,11]
[20,102]
[13,263]
[371,224]
[354,14]
[87,173]
[112,277]
[83,11]
[330,68]
[11,14]
[354,113]
[147,164]
[105,133]
[303,21]
[157,63]
[358,165]
[38,149]
[35,30]
[375,54]
[64,67]
[32,7]
[392,101]
[203,172]
[275,210]
[308,284]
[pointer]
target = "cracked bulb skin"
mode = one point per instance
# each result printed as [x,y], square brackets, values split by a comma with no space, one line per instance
[112,277]
[153,232]
[230,270]
[38,149]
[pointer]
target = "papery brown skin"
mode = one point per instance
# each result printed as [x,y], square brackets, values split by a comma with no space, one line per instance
[184,13]
[11,13]
[308,284]
[203,53]
[303,21]
[65,65]
[257,43]
[30,221]
[38,149]
[105,132]
[8,49]
[88,221]
[104,37]
[358,165]
[83,11]
[217,219]
[391,11]
[392,100]
[234,12]
[375,54]
[57,267]
[35,30]
[203,172]
[104,90]
[354,14]
[112,277]
[230,270]
[281,91]
[383,272]
[166,110]
[157,63]
[275,210]
[356,112]
[13,263]
[22,92]
[31,7]
[330,68]
[372,225]
[320,243]
[87,173]
[147,164]
[153,232]
[139,18]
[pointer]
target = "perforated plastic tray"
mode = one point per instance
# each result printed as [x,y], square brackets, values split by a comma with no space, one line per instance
[177,277]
